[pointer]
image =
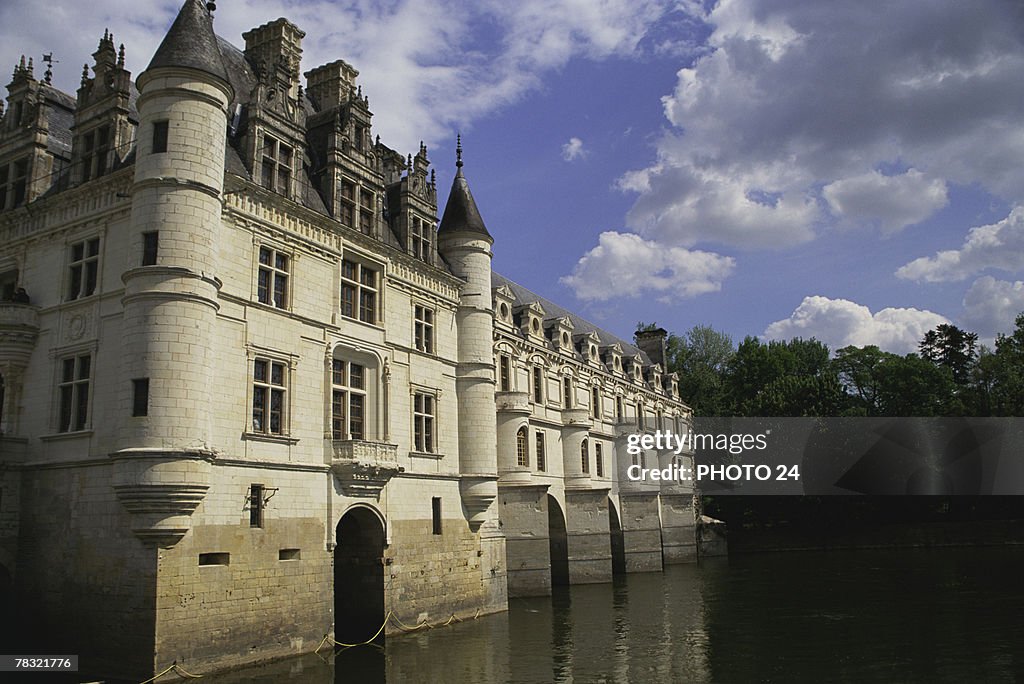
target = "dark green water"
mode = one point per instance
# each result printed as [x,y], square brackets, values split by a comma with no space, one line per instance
[944,615]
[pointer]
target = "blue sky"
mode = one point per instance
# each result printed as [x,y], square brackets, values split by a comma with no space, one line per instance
[844,170]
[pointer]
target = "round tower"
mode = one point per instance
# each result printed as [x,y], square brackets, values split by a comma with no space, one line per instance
[171,290]
[463,240]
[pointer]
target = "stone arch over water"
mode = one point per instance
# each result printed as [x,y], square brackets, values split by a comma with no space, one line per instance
[359,576]
[558,544]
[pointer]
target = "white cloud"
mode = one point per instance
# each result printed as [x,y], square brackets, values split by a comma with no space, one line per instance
[640,267]
[794,98]
[573,149]
[998,245]
[840,322]
[428,66]
[893,202]
[991,306]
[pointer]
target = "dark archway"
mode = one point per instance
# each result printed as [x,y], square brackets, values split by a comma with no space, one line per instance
[558,544]
[359,577]
[618,541]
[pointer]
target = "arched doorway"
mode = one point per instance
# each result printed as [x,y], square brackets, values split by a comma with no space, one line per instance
[358,577]
[558,544]
[618,541]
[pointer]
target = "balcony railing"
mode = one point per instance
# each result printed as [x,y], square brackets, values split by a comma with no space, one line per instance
[363,467]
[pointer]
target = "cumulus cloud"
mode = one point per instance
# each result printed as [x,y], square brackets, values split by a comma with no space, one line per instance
[998,245]
[794,97]
[991,306]
[573,149]
[840,322]
[428,66]
[640,267]
[893,202]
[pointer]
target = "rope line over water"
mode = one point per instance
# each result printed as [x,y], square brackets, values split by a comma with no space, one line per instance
[390,617]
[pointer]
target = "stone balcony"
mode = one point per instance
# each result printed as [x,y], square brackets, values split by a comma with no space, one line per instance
[19,328]
[363,467]
[513,402]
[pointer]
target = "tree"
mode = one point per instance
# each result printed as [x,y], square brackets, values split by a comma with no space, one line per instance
[791,378]
[952,348]
[857,368]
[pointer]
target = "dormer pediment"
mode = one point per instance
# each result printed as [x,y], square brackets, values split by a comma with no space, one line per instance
[587,345]
[559,331]
[611,355]
[530,318]
[502,299]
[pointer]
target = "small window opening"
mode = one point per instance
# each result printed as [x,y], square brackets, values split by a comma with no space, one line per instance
[289,554]
[256,502]
[436,513]
[215,559]
[140,397]
[159,136]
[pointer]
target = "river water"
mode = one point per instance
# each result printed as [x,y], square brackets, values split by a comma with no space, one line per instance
[940,615]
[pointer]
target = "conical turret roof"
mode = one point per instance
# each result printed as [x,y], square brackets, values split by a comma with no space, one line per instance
[460,213]
[191,42]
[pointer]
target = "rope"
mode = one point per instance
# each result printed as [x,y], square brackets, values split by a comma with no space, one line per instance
[181,672]
[178,670]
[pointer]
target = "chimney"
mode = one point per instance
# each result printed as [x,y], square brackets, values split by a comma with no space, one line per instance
[652,343]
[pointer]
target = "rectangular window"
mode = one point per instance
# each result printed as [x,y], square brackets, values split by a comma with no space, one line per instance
[348,400]
[84,263]
[14,182]
[595,402]
[538,385]
[289,554]
[359,288]
[215,559]
[140,397]
[599,458]
[272,278]
[424,329]
[256,505]
[367,200]
[76,374]
[641,422]
[423,422]
[150,247]
[269,392]
[420,238]
[618,409]
[276,169]
[160,136]
[102,150]
[88,150]
[585,457]
[542,461]
[567,393]
[435,513]
[347,207]
[505,373]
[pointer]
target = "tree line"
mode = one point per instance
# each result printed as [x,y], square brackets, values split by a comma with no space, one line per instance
[949,375]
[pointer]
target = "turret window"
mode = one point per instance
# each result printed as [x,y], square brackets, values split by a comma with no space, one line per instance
[359,289]
[160,129]
[276,169]
[150,247]
[522,453]
[542,464]
[599,458]
[272,278]
[504,373]
[84,268]
[585,456]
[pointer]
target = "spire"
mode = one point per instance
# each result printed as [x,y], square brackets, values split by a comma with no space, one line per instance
[191,42]
[460,213]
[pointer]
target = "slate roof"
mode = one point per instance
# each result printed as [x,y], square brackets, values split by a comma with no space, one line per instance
[460,212]
[191,42]
[580,325]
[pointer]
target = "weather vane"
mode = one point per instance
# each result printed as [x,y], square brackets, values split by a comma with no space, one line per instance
[50,61]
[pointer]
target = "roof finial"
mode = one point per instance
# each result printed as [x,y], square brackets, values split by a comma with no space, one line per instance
[211,7]
[458,152]
[120,56]
[85,75]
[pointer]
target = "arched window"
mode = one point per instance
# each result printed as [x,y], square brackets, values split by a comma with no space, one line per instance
[599,458]
[522,455]
[567,392]
[585,455]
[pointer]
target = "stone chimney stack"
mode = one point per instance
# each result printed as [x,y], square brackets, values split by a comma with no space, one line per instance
[652,343]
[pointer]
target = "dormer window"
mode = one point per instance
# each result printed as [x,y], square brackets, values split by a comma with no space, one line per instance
[95,153]
[420,240]
[366,204]
[276,169]
[593,353]
[348,203]
[13,184]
